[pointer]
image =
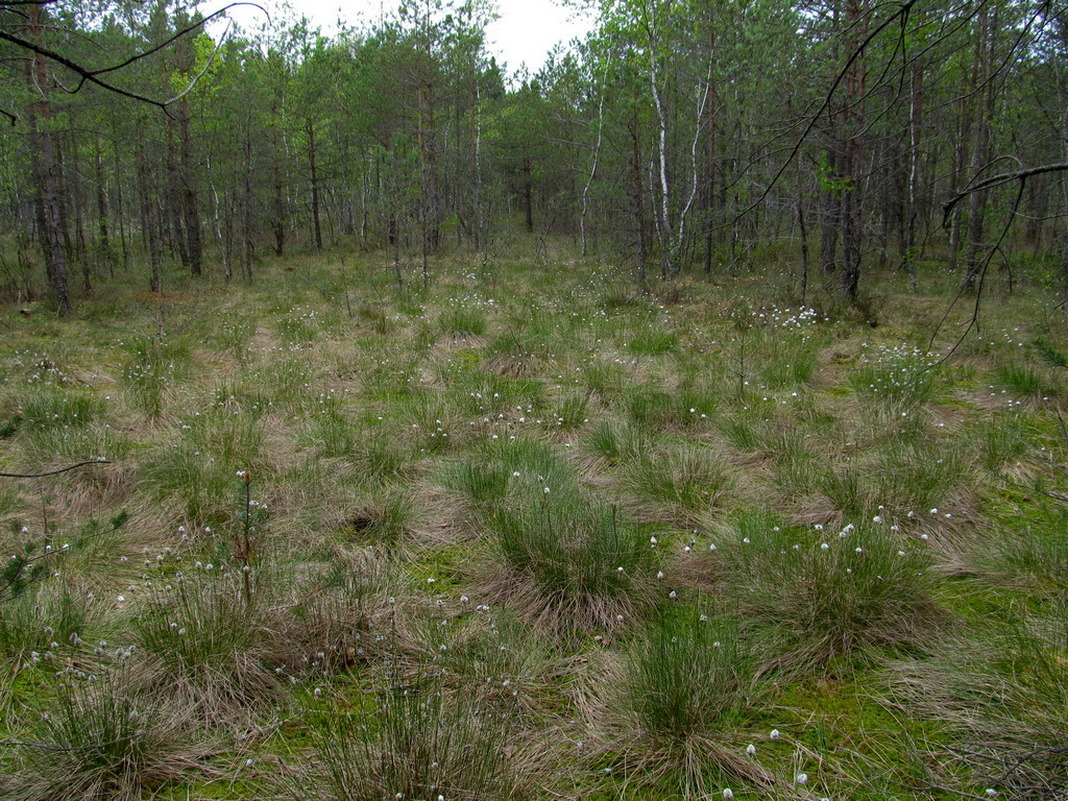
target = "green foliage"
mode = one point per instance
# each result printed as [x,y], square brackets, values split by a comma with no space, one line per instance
[482,485]
[46,408]
[677,484]
[603,378]
[571,413]
[197,469]
[152,367]
[825,594]
[1026,381]
[1002,439]
[618,442]
[417,743]
[41,624]
[652,343]
[99,741]
[689,675]
[568,564]
[901,378]
[1050,353]
[1003,705]
[462,322]
[655,406]
[203,647]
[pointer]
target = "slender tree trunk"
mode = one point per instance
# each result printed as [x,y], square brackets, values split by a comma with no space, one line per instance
[803,231]
[663,222]
[103,239]
[121,209]
[148,208]
[481,226]
[710,148]
[316,224]
[1064,180]
[832,212]
[528,195]
[171,217]
[223,240]
[639,196]
[188,191]
[984,111]
[72,188]
[248,250]
[595,161]
[915,131]
[44,170]
[279,208]
[852,207]
[960,165]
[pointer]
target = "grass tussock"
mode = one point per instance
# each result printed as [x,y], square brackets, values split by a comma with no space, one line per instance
[103,742]
[677,485]
[1004,704]
[205,647]
[568,566]
[822,595]
[673,705]
[417,742]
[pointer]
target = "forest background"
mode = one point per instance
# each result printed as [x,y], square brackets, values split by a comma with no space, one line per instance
[682,420]
[677,136]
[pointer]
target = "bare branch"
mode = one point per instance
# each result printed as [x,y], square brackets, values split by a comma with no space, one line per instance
[998,180]
[54,472]
[92,76]
[902,13]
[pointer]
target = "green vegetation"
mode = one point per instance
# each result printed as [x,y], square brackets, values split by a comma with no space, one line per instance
[503,554]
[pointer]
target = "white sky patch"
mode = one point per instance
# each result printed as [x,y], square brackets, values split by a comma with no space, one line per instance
[524,33]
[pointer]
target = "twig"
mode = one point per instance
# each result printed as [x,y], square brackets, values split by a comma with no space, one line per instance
[998,180]
[67,748]
[87,75]
[54,472]
[942,789]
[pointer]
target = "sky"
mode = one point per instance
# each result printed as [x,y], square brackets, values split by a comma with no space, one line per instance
[524,33]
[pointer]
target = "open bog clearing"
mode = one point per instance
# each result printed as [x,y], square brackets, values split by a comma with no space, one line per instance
[533,533]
